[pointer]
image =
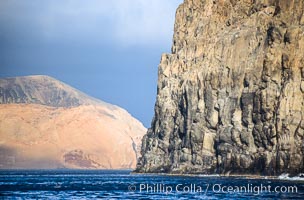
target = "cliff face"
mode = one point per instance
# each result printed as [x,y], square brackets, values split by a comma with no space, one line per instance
[45,123]
[231,93]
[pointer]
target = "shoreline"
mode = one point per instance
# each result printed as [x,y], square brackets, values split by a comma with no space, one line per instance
[245,176]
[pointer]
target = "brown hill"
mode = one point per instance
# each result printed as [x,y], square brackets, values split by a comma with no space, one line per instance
[45,123]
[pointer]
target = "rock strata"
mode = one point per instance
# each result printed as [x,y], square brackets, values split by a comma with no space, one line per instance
[230,96]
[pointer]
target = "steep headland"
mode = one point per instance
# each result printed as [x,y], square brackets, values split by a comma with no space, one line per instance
[230,95]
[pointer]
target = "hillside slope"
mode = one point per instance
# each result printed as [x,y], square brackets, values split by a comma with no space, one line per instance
[45,123]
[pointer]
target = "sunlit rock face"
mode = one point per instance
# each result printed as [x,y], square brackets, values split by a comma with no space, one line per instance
[45,123]
[231,93]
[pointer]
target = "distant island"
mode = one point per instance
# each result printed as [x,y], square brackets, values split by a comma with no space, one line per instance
[46,124]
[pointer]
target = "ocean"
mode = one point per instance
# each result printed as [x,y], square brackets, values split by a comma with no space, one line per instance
[122,184]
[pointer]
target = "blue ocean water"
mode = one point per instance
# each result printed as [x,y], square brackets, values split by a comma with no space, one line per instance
[117,184]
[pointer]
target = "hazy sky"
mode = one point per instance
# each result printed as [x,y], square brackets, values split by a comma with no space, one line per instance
[107,49]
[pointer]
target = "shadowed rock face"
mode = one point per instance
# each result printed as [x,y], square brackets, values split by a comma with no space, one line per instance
[43,90]
[45,123]
[230,95]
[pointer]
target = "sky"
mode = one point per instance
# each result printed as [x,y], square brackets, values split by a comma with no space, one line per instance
[108,49]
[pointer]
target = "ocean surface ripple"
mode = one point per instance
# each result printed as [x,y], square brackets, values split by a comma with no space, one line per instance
[122,184]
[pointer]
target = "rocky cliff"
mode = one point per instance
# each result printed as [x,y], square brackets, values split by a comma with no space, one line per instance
[45,123]
[230,95]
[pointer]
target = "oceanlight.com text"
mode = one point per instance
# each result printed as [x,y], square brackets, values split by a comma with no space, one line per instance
[214,188]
